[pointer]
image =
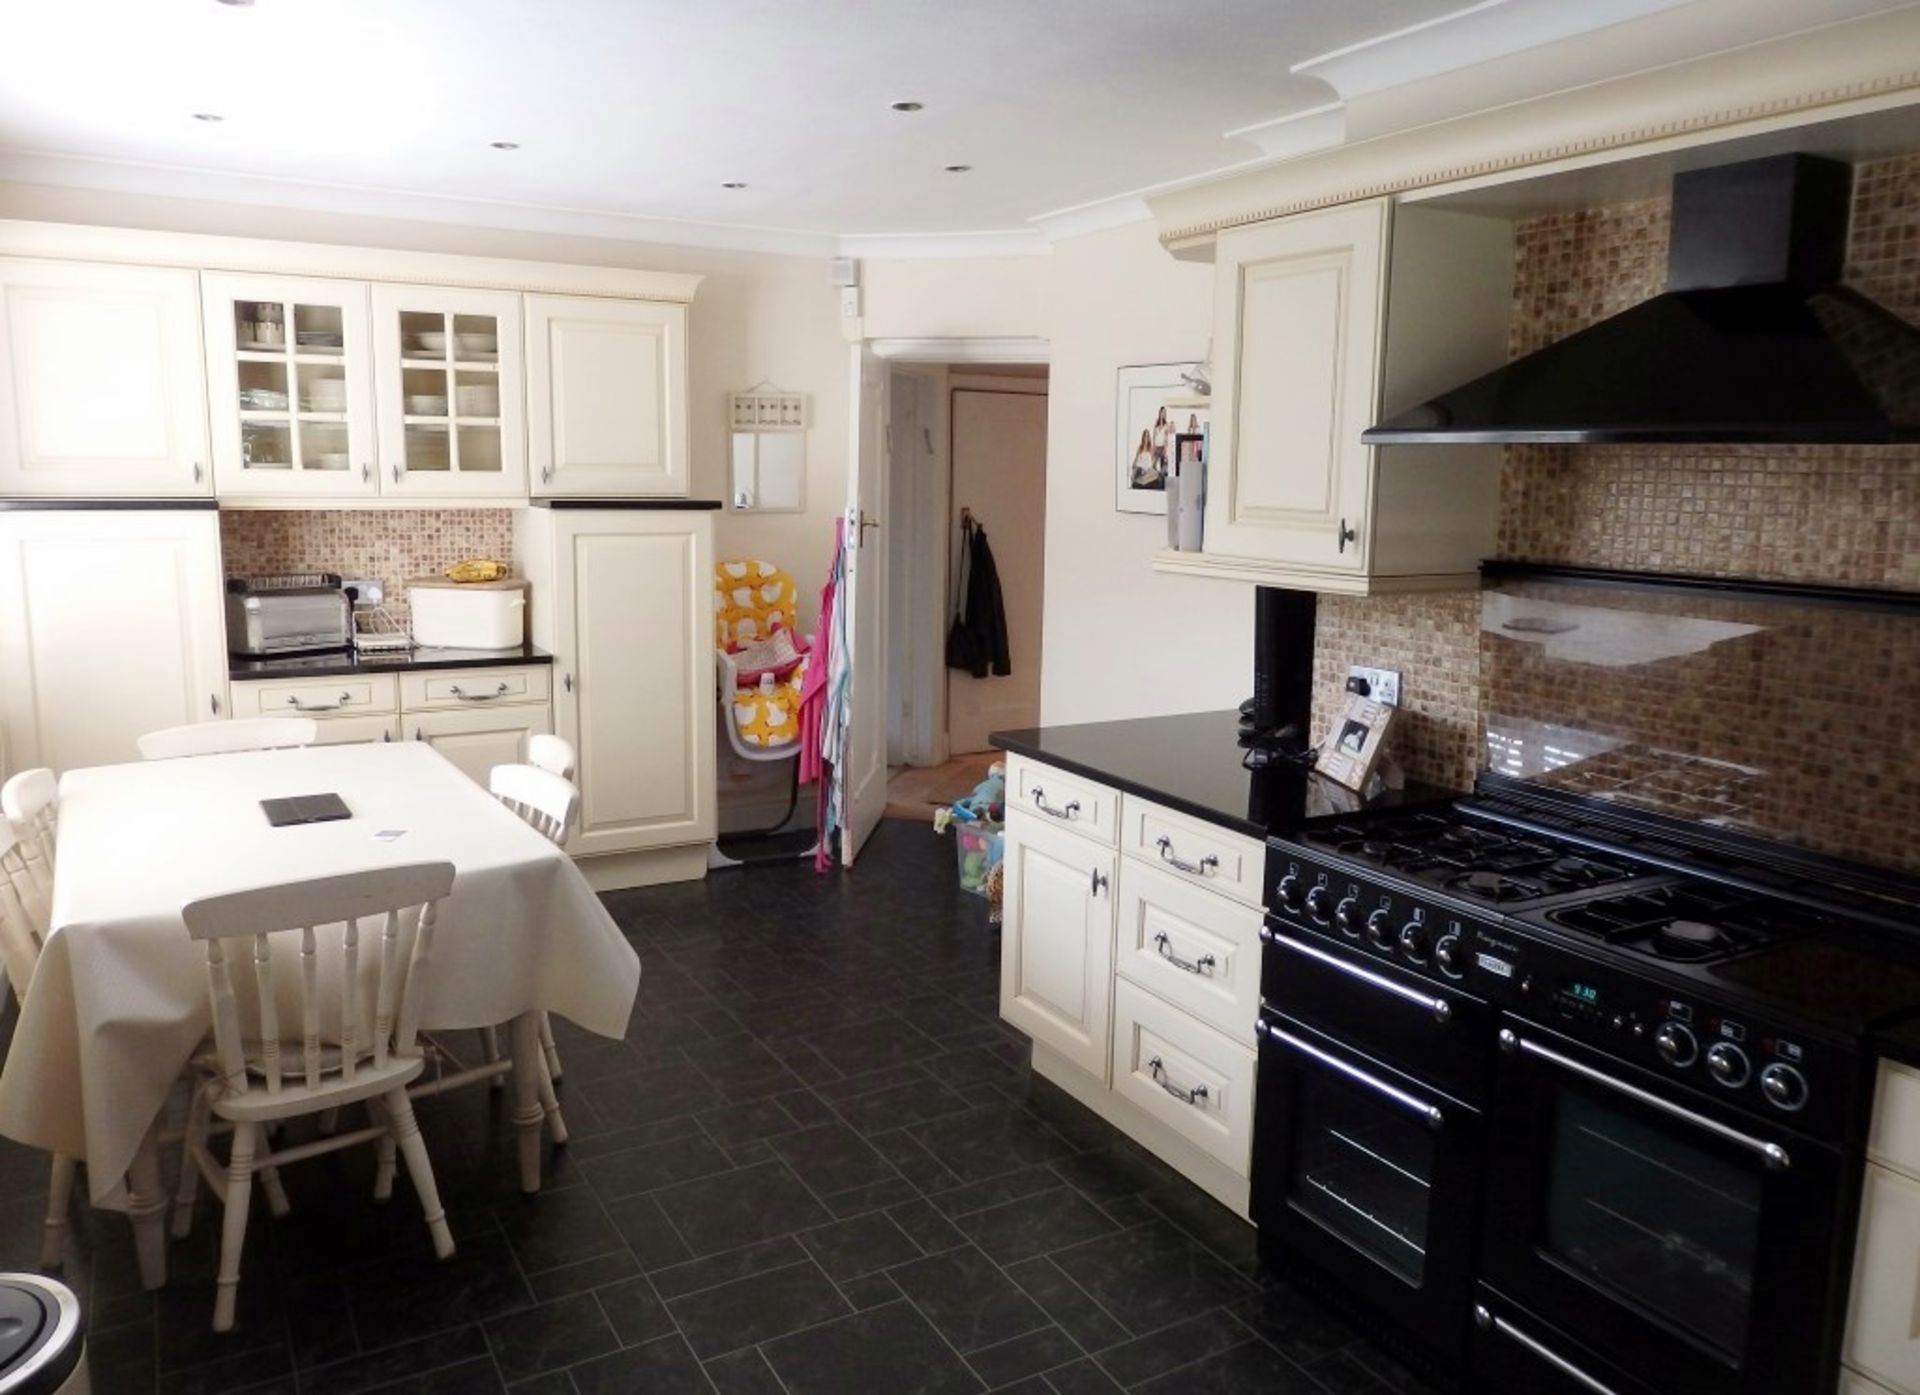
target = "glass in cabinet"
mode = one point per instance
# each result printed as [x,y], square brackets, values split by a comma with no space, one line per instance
[287,378]
[447,376]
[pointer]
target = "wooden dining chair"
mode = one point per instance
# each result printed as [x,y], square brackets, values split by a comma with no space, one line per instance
[20,945]
[553,754]
[221,738]
[30,801]
[247,1082]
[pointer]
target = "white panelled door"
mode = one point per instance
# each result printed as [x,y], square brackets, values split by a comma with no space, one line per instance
[864,771]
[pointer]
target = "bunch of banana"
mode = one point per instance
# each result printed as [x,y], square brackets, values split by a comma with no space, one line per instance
[476,569]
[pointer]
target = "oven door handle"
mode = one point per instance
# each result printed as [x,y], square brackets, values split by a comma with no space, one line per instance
[1772,1154]
[1442,1011]
[1430,1112]
[1553,1358]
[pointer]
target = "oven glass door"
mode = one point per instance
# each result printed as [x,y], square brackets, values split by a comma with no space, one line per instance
[1648,1222]
[1370,1174]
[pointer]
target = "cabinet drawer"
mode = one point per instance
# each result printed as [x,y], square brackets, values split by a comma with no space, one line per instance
[1853,1383]
[347,731]
[1088,808]
[474,687]
[1895,1139]
[1194,850]
[1199,951]
[273,697]
[1881,1336]
[1183,1073]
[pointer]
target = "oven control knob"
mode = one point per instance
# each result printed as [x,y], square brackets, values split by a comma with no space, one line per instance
[1289,892]
[1784,1087]
[1320,904]
[1346,916]
[1413,941]
[1380,930]
[1676,1045]
[1728,1063]
[1451,955]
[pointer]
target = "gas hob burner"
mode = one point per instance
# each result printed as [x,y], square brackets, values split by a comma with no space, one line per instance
[1495,886]
[1692,939]
[1691,924]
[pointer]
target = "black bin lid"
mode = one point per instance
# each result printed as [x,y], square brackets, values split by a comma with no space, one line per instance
[40,1339]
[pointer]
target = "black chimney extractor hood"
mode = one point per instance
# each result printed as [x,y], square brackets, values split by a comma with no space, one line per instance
[1755,339]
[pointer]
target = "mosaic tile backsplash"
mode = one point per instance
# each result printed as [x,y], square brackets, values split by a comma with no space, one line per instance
[1840,515]
[390,544]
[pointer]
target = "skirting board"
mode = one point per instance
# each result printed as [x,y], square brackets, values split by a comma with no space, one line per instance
[618,871]
[1204,1171]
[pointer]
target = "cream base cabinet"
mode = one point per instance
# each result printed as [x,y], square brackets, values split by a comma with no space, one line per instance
[100,384]
[1321,322]
[1883,1333]
[623,599]
[479,739]
[606,397]
[1056,940]
[110,627]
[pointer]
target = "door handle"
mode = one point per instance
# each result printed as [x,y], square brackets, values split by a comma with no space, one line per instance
[213,703]
[293,701]
[1067,811]
[196,472]
[1205,964]
[1347,535]
[366,474]
[1158,1070]
[1441,1010]
[1772,1154]
[498,692]
[1205,867]
[1486,1320]
[1099,881]
[396,472]
[566,681]
[546,474]
[1430,1112]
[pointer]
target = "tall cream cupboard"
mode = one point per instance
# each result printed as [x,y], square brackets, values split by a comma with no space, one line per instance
[110,626]
[623,599]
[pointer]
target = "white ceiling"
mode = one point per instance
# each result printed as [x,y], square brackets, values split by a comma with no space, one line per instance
[640,109]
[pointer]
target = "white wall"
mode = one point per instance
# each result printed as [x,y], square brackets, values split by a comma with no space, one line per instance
[1119,639]
[756,317]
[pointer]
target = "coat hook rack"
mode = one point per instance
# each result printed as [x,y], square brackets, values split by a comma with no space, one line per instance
[966,516]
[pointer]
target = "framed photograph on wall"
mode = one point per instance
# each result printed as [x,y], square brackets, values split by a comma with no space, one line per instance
[1153,406]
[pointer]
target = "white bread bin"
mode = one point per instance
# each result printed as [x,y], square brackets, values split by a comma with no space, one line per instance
[469,614]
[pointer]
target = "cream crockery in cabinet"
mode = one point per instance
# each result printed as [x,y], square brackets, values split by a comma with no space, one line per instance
[110,627]
[623,600]
[1137,978]
[1322,322]
[606,397]
[100,381]
[450,391]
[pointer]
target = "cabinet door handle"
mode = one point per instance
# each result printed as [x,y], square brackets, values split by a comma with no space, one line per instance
[1347,535]
[366,474]
[546,474]
[1205,964]
[1205,867]
[396,472]
[1158,1070]
[1070,810]
[196,472]
[498,692]
[1099,881]
[417,735]
[213,703]
[566,681]
[386,736]
[293,701]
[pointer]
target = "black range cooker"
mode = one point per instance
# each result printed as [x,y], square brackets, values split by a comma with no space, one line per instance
[1571,1100]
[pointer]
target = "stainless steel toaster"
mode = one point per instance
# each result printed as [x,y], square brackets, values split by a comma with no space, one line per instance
[287,614]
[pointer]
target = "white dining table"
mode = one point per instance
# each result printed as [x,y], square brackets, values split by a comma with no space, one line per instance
[119,1002]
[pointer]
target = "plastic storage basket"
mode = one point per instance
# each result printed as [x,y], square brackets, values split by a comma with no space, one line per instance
[976,848]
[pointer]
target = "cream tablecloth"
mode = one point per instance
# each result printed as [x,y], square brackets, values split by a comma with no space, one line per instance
[119,999]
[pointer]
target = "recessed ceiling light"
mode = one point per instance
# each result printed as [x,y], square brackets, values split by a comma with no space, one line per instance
[238,4]
[908,106]
[958,169]
[504,144]
[208,116]
[733,184]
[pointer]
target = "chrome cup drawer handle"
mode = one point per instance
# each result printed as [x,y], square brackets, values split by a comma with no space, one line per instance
[1205,867]
[1069,810]
[1197,1096]
[1205,964]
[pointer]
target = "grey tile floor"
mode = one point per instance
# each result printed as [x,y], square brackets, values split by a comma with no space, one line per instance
[817,1165]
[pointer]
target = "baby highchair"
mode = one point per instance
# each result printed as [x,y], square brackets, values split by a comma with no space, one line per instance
[761,662]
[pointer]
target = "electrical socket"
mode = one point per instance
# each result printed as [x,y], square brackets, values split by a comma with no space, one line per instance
[367,590]
[1383,684]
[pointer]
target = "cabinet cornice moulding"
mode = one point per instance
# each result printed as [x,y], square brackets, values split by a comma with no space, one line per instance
[1840,72]
[211,252]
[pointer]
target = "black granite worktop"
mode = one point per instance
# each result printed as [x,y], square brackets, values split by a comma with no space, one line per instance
[344,663]
[1192,763]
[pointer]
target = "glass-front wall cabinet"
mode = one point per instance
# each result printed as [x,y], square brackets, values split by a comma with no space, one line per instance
[447,378]
[287,371]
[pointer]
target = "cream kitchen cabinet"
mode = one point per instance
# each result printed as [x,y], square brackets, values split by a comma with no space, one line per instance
[290,388]
[1322,322]
[450,392]
[100,381]
[1056,940]
[110,627]
[606,397]
[476,740]
[623,599]
[1883,1338]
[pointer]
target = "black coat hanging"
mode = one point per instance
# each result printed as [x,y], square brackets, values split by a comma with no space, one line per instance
[977,640]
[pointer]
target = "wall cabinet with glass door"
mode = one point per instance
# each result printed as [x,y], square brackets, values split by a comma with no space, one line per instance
[448,388]
[289,387]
